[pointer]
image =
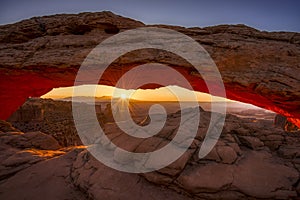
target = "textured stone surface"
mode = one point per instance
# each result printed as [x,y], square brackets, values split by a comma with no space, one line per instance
[40,174]
[41,53]
[37,140]
[233,170]
[271,180]
[44,180]
[227,154]
[102,182]
[208,178]
[51,117]
[252,142]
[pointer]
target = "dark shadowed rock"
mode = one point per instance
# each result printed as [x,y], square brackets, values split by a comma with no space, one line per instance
[207,178]
[262,176]
[290,151]
[41,140]
[37,140]
[227,154]
[45,180]
[251,142]
[6,126]
[102,182]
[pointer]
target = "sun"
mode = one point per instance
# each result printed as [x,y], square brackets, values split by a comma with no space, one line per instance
[123,96]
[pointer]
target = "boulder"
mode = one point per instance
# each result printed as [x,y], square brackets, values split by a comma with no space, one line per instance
[227,154]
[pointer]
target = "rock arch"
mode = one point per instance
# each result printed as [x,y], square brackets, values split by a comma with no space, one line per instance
[42,53]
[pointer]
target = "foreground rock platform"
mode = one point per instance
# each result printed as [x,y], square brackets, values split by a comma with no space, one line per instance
[253,159]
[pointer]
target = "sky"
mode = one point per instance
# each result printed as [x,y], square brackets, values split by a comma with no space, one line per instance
[269,15]
[163,94]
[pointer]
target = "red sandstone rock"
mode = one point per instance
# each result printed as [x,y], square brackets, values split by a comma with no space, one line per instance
[37,140]
[271,180]
[27,172]
[42,53]
[209,178]
[227,154]
[251,142]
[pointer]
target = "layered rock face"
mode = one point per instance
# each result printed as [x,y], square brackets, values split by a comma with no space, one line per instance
[51,117]
[42,53]
[252,160]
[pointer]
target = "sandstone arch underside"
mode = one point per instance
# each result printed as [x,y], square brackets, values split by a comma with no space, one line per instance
[36,55]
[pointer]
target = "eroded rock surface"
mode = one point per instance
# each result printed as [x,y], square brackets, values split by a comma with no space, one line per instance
[51,117]
[253,159]
[42,53]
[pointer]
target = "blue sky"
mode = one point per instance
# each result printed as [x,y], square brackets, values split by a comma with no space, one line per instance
[276,15]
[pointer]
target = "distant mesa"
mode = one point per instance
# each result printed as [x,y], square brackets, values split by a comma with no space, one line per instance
[86,98]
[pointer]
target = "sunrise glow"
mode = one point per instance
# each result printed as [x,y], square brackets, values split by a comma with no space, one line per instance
[123,96]
[159,94]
